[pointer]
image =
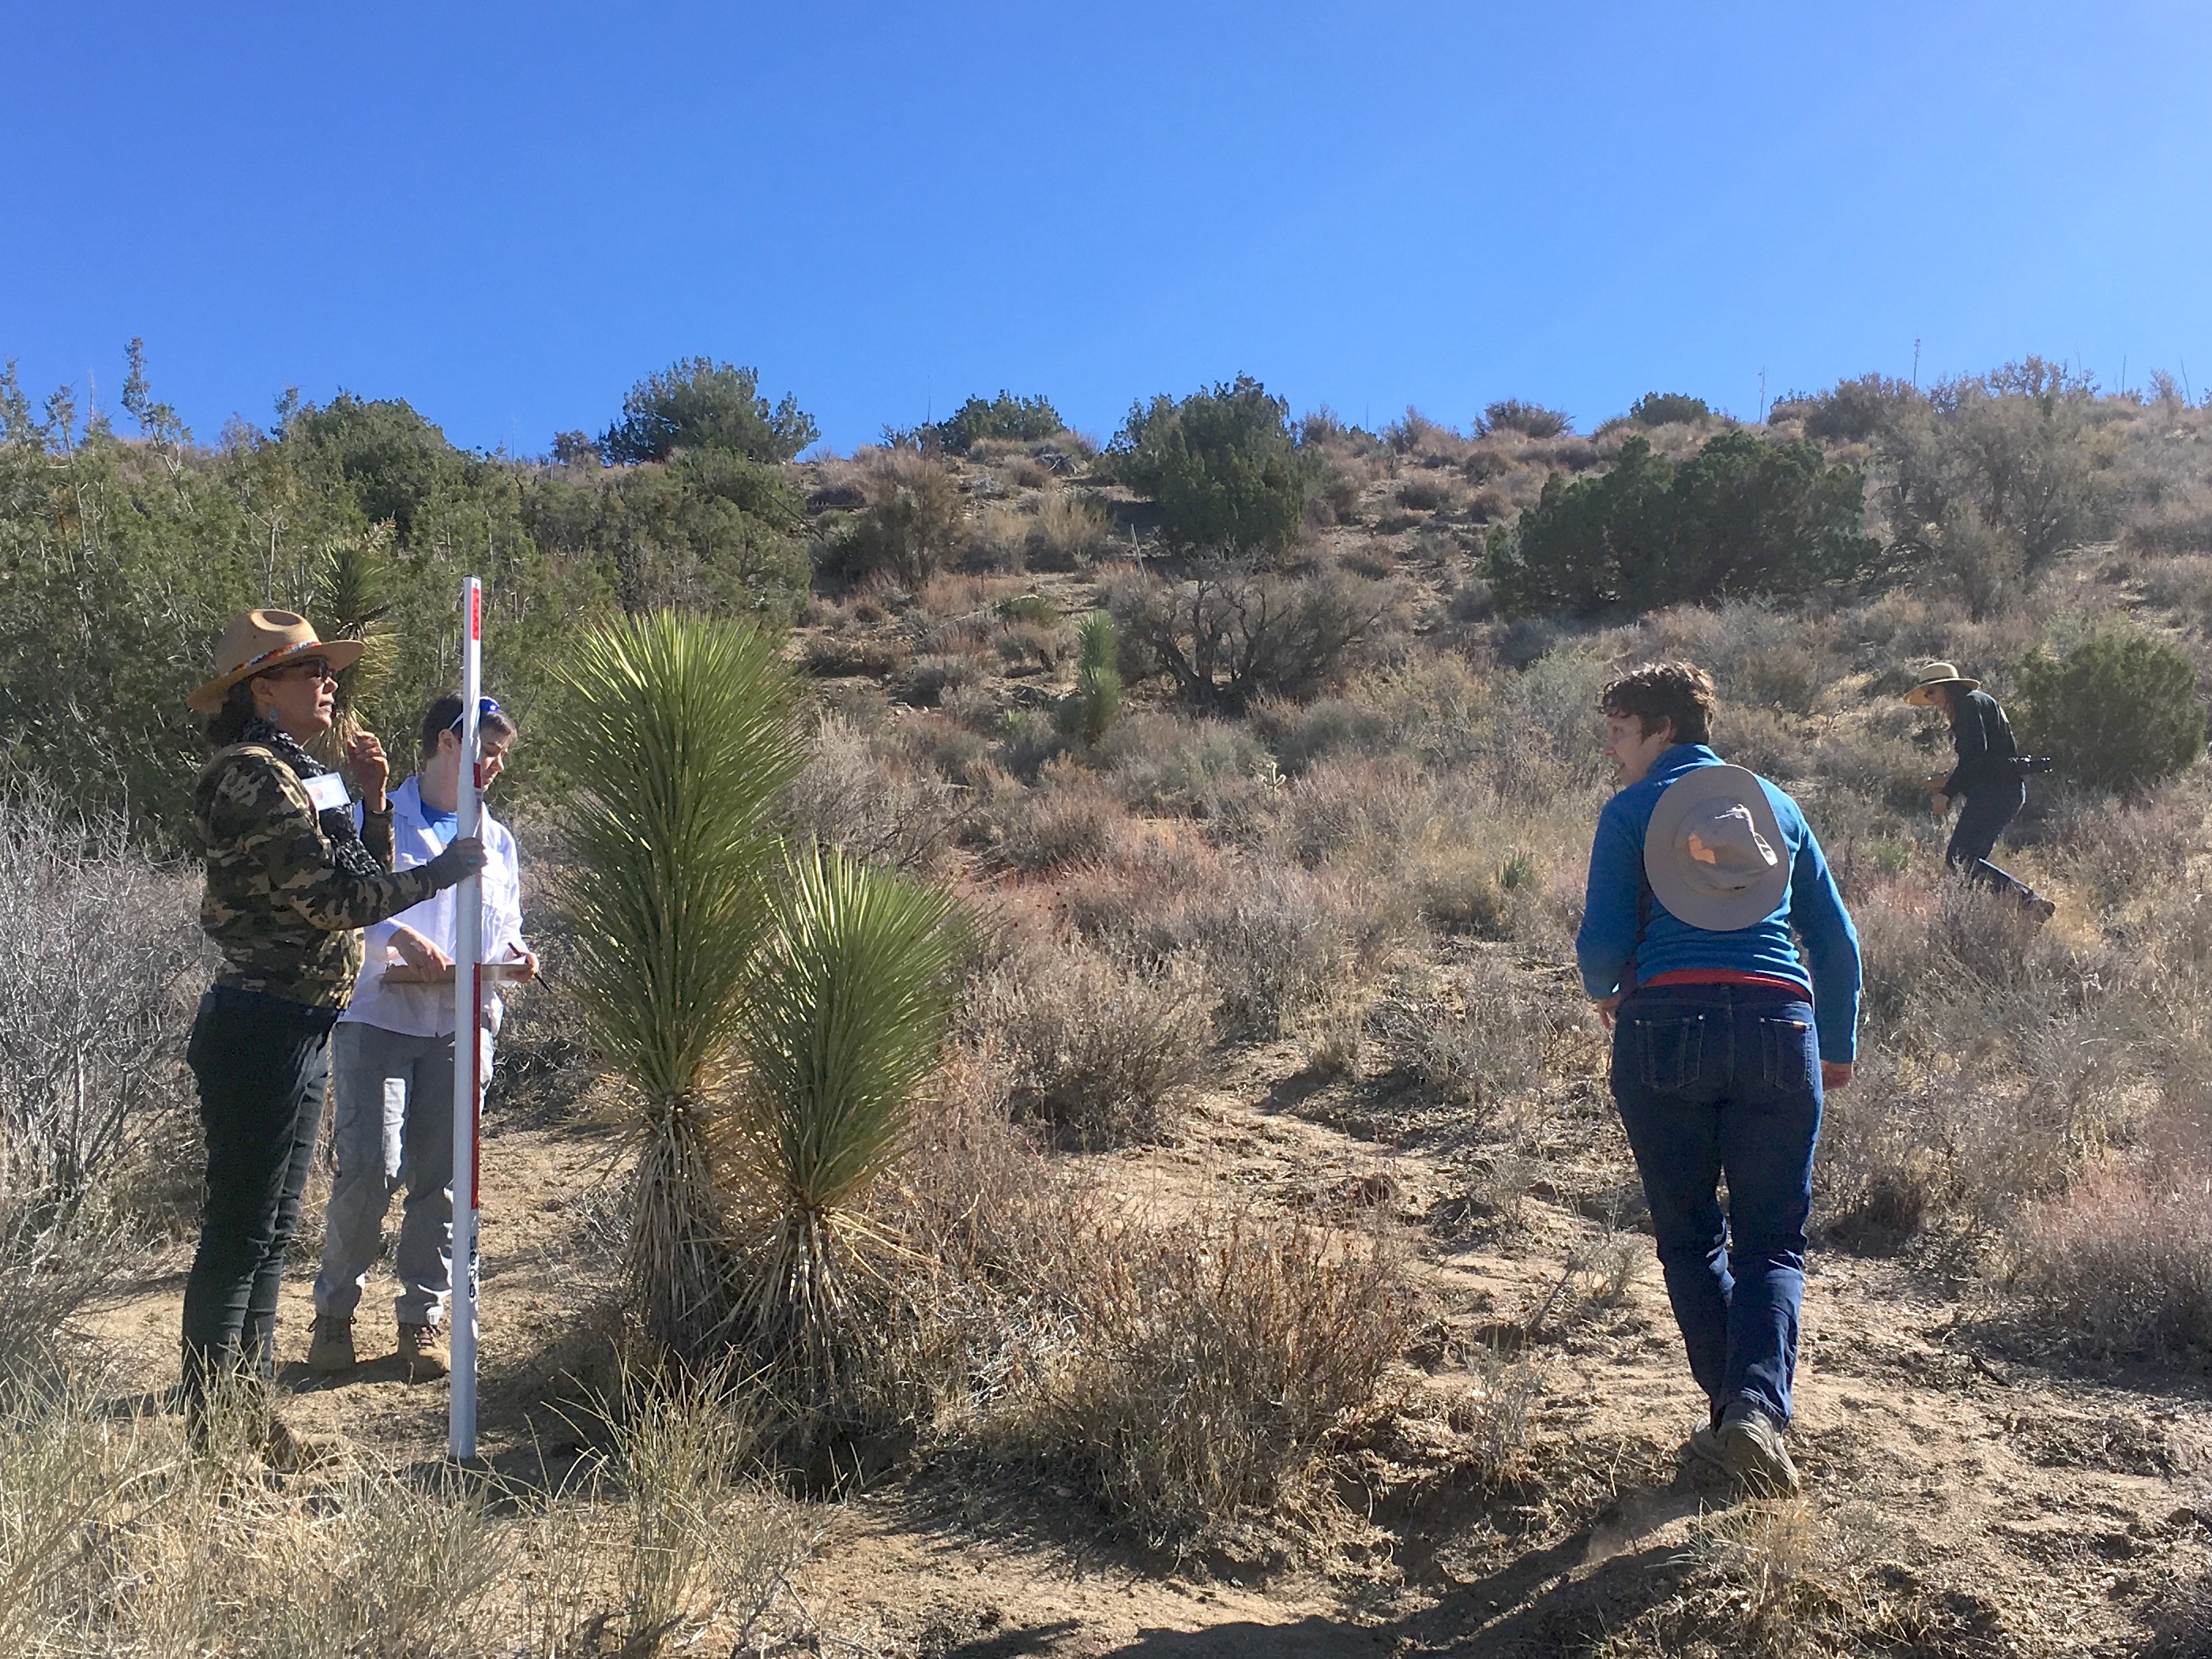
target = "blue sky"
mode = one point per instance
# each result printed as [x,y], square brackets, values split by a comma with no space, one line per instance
[507,214]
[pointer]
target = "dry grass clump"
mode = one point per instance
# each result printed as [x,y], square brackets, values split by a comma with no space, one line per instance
[1067,532]
[1097,1050]
[113,1538]
[1179,766]
[1216,1354]
[2123,1260]
[1785,1580]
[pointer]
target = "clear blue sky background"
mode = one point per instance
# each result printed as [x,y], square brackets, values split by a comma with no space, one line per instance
[507,214]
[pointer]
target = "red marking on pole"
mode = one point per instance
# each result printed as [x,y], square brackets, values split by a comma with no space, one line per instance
[476,1095]
[476,611]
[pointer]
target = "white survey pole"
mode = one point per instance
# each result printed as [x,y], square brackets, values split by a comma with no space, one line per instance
[468,1042]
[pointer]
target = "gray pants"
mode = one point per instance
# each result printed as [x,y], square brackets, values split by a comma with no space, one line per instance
[394,1128]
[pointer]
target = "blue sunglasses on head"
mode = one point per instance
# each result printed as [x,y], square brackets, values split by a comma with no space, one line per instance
[484,706]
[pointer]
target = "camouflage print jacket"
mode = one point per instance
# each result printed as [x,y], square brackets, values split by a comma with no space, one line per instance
[286,915]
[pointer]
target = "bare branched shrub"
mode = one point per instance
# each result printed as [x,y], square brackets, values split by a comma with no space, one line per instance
[853,794]
[1229,633]
[1098,1050]
[1217,1353]
[92,1016]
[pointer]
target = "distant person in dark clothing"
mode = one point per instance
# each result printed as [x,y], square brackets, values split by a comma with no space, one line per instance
[1987,782]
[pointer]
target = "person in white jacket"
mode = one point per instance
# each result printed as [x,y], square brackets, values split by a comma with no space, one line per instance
[392,1064]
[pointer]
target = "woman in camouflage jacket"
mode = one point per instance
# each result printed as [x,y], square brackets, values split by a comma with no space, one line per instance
[290,883]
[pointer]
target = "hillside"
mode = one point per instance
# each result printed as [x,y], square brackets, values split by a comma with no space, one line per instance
[1276,1278]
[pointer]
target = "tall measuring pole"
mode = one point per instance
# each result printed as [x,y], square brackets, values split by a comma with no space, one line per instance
[468,1040]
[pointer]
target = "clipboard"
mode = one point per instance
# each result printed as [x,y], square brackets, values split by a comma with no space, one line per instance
[495,973]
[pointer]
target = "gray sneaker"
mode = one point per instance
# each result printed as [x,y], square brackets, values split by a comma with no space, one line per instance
[1752,1449]
[1704,1450]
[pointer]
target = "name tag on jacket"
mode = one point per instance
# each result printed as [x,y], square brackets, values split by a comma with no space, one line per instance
[327,789]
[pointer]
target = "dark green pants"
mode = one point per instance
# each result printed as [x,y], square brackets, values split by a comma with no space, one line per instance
[261,1062]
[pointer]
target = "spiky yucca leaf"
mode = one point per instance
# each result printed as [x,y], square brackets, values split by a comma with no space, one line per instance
[845,1017]
[349,604]
[678,733]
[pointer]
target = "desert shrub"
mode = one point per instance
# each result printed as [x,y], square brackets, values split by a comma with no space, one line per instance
[1218,1354]
[851,795]
[1741,517]
[1853,411]
[909,527]
[1427,492]
[699,404]
[2013,445]
[1066,532]
[1480,1037]
[1021,420]
[929,680]
[2120,710]
[1097,1050]
[1531,420]
[2123,1261]
[1669,409]
[92,1010]
[2181,525]
[1069,820]
[1185,767]
[1223,466]
[1227,633]
[1275,942]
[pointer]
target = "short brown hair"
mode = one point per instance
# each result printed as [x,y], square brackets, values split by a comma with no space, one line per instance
[1654,691]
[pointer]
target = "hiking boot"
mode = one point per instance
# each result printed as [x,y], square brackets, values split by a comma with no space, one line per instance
[330,1349]
[421,1355]
[1751,1450]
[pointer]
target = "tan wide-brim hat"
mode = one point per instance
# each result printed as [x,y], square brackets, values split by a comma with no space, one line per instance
[258,640]
[1714,852]
[1933,678]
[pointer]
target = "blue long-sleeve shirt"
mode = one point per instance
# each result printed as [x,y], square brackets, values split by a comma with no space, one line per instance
[1608,939]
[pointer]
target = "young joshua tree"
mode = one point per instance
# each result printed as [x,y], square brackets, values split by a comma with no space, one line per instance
[678,733]
[845,1016]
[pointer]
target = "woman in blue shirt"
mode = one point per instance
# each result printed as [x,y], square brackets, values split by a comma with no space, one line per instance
[1727,1031]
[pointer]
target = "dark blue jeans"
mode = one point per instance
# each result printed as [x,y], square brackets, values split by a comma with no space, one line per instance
[261,1062]
[1982,815]
[1717,1081]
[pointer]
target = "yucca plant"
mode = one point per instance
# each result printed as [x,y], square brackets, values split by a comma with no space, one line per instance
[1091,708]
[677,734]
[349,604]
[845,1016]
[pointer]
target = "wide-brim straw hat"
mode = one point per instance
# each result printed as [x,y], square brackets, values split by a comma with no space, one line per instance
[1933,678]
[1714,851]
[258,640]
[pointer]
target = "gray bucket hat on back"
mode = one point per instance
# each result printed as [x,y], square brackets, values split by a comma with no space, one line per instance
[1714,852]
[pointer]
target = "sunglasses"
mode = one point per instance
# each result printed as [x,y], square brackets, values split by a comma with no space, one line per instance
[484,706]
[307,668]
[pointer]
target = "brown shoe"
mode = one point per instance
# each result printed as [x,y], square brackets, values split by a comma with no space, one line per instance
[330,1351]
[422,1356]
